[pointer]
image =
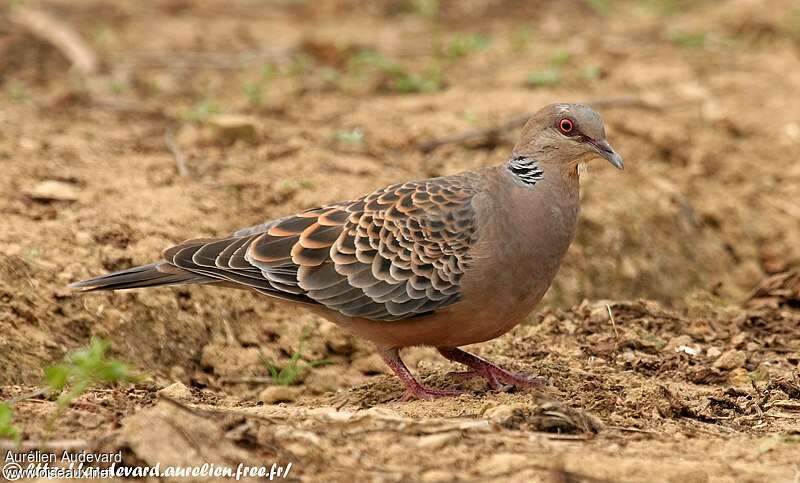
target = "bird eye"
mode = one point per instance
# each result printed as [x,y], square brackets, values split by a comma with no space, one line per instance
[566,125]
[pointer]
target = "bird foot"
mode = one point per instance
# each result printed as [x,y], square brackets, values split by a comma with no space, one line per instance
[497,377]
[414,390]
[427,394]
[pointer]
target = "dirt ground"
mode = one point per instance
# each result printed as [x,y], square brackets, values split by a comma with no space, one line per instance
[670,340]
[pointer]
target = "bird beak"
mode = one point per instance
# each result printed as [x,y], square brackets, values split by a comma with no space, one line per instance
[606,151]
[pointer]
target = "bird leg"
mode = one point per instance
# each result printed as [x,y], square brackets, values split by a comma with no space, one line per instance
[414,390]
[495,375]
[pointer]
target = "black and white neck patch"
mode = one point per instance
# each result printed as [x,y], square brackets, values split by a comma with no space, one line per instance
[525,170]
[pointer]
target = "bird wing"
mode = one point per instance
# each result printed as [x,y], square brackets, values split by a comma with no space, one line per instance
[396,253]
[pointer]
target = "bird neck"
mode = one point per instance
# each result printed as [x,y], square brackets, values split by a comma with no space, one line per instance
[527,171]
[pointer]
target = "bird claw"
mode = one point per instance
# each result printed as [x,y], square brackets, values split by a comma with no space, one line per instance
[424,393]
[500,379]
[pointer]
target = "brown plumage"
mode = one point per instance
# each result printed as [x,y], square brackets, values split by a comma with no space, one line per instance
[442,262]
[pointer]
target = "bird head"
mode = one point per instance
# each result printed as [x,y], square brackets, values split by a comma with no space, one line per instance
[566,134]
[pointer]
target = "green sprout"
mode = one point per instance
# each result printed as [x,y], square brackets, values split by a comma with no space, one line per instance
[425,8]
[602,7]
[202,111]
[400,79]
[84,369]
[591,72]
[792,24]
[354,136]
[560,58]
[254,90]
[463,45]
[544,78]
[18,92]
[289,373]
[691,40]
[521,38]
[7,428]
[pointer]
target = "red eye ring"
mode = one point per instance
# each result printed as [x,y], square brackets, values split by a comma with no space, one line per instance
[566,125]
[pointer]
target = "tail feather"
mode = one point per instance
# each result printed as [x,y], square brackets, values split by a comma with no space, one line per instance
[151,275]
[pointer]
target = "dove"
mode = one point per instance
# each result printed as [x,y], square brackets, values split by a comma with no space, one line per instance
[442,262]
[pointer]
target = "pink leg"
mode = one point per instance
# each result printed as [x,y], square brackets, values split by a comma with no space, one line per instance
[496,376]
[414,390]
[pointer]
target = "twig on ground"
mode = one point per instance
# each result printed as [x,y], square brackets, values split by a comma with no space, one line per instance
[60,35]
[26,396]
[57,445]
[492,133]
[246,380]
[230,337]
[127,106]
[613,323]
[180,159]
[631,430]
[182,405]
[200,60]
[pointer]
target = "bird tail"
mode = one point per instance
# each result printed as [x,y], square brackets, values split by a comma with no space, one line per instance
[151,275]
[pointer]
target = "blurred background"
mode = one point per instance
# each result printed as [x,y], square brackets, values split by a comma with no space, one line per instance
[126,127]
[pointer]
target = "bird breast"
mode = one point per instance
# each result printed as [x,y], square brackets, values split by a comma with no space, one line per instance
[523,236]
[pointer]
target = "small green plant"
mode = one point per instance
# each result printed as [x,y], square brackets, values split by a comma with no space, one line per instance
[791,24]
[560,58]
[354,136]
[7,428]
[288,374]
[399,78]
[84,369]
[691,40]
[603,7]
[668,7]
[118,86]
[254,90]
[18,92]
[591,72]
[425,8]
[544,78]
[429,80]
[470,117]
[463,45]
[550,76]
[299,64]
[202,111]
[521,38]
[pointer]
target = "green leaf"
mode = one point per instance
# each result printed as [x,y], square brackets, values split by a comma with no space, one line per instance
[56,377]
[7,429]
[560,58]
[544,78]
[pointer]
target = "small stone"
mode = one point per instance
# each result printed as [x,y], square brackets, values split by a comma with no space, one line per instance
[738,339]
[277,394]
[52,190]
[369,365]
[437,441]
[502,463]
[232,127]
[676,342]
[713,352]
[83,238]
[176,391]
[731,359]
[436,476]
[337,340]
[739,377]
[501,412]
